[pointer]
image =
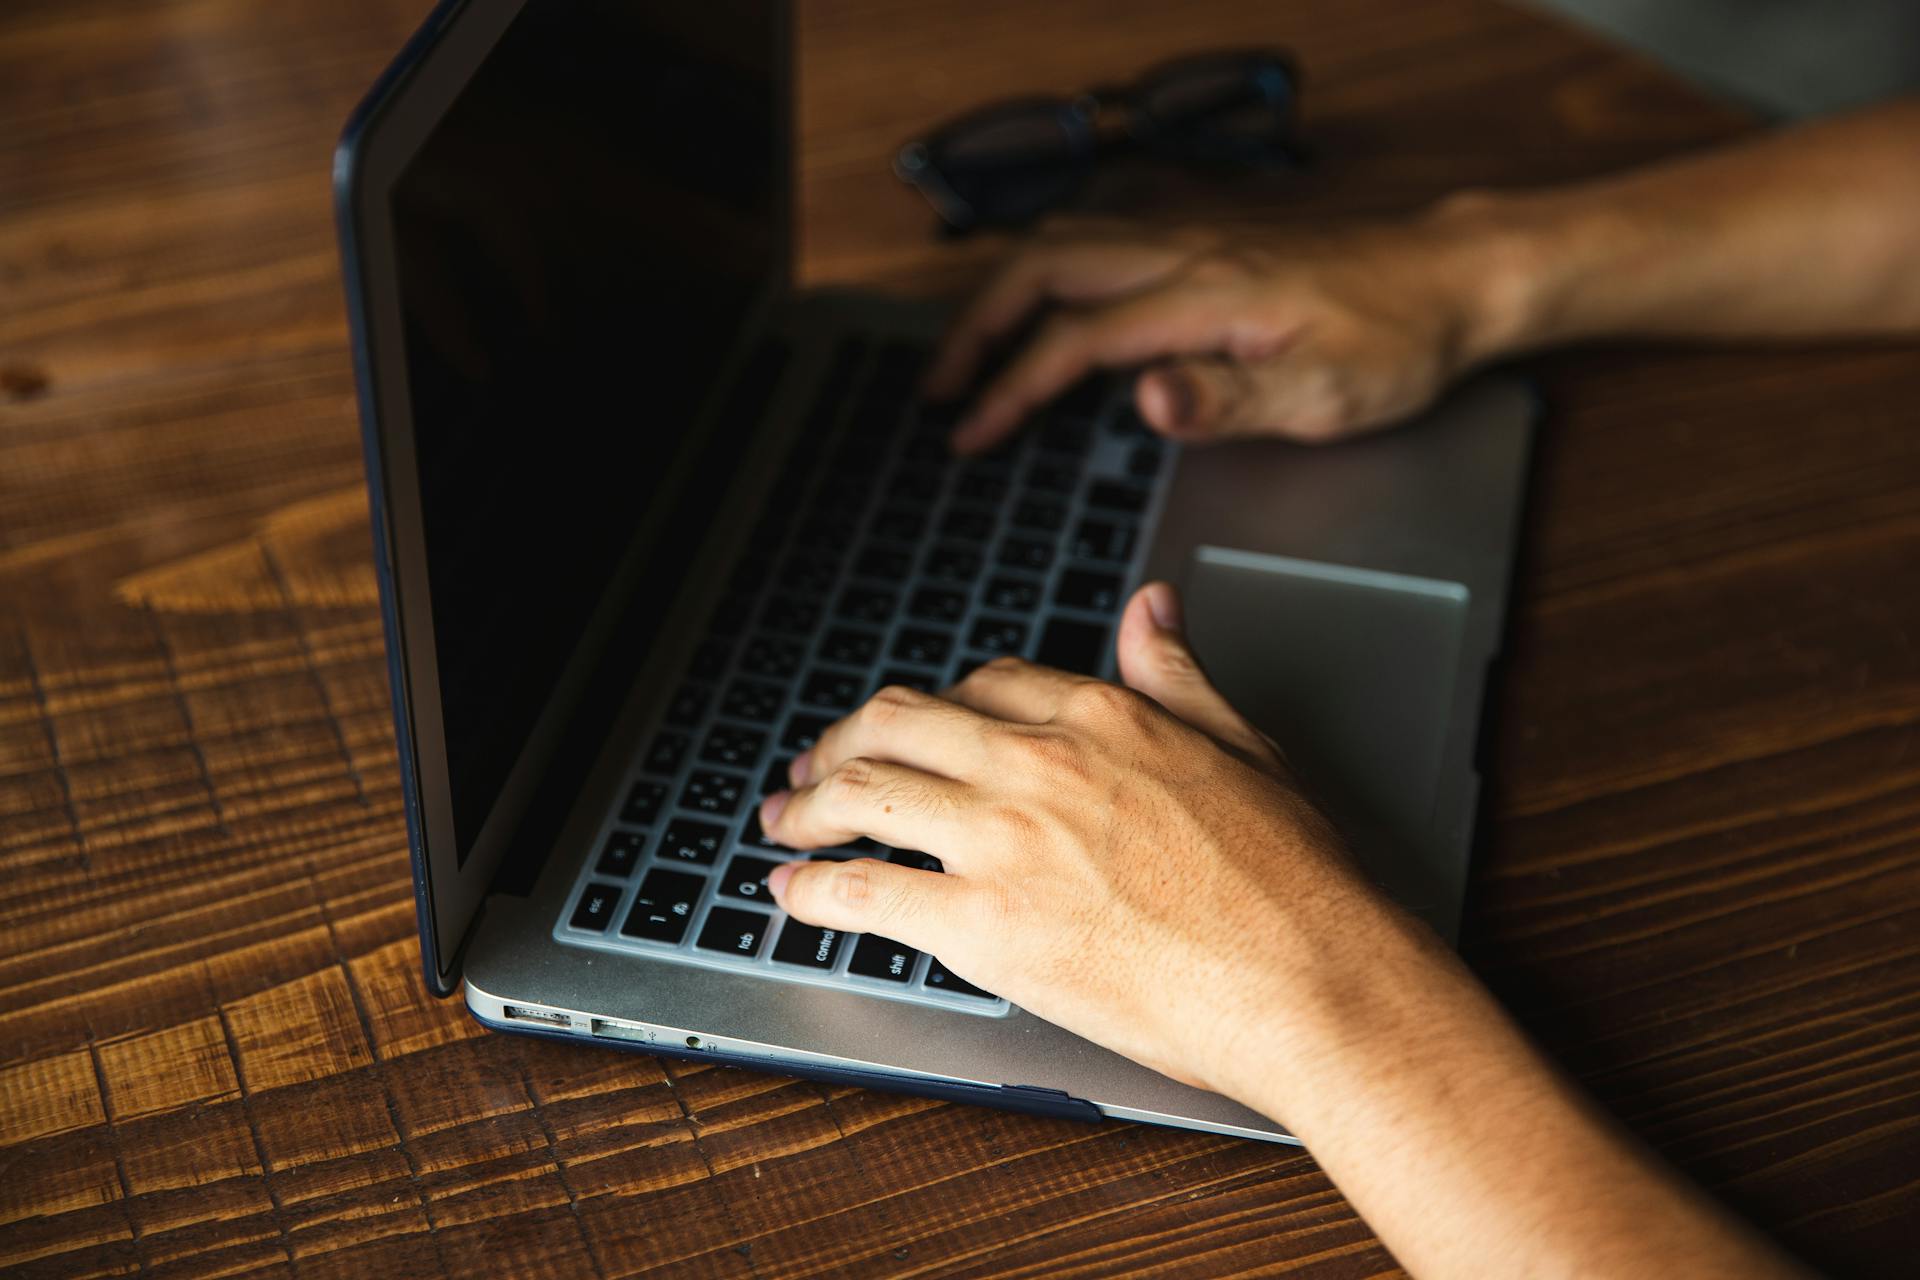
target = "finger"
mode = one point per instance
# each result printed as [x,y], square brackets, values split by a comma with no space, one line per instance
[1080,270]
[1175,320]
[903,726]
[1015,689]
[923,909]
[892,803]
[1156,659]
[1294,395]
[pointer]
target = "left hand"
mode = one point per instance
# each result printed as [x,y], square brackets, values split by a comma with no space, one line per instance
[1133,863]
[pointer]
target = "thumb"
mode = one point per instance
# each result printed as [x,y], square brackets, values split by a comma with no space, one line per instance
[1156,659]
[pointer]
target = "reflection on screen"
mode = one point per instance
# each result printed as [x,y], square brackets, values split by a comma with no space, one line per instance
[578,241]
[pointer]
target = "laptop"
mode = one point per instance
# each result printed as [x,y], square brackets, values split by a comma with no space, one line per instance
[647,519]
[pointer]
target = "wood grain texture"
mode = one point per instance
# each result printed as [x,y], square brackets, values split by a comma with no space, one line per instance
[1702,882]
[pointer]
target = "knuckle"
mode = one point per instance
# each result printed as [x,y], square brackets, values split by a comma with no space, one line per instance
[1051,755]
[847,782]
[883,708]
[1221,265]
[851,886]
[1098,699]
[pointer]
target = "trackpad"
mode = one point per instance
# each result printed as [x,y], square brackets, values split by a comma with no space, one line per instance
[1353,672]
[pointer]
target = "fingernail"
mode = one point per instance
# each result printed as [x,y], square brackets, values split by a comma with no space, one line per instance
[800,772]
[771,808]
[777,879]
[1164,604]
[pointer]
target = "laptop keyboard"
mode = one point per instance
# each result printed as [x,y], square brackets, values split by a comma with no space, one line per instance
[898,564]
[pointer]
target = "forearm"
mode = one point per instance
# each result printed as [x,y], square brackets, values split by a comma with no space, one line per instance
[1813,231]
[1466,1151]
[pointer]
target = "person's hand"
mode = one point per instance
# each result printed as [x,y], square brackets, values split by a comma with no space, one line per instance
[1131,863]
[1305,336]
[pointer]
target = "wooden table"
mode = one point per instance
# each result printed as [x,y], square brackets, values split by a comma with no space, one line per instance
[1702,883]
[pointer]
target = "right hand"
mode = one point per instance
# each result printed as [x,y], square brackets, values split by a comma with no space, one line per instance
[1305,337]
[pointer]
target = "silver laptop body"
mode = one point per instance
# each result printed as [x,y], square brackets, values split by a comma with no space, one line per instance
[628,572]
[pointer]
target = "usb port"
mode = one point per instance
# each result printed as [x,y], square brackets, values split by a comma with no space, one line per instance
[545,1017]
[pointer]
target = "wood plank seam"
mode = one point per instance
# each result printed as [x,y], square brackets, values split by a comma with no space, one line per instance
[278,573]
[253,1128]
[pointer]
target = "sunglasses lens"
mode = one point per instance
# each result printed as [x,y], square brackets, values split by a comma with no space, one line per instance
[1235,110]
[1013,167]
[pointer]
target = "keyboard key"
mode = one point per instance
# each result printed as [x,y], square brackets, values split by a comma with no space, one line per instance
[889,564]
[790,614]
[710,659]
[775,778]
[595,907]
[867,604]
[810,573]
[666,752]
[729,745]
[772,656]
[688,840]
[1114,496]
[926,450]
[1072,646]
[982,486]
[1009,592]
[968,524]
[1085,399]
[1088,589]
[837,689]
[747,877]
[882,958]
[936,604]
[1065,435]
[1052,477]
[754,700]
[919,644]
[622,853]
[1041,514]
[1101,540]
[1026,553]
[712,792]
[850,645]
[953,564]
[901,524]
[755,838]
[808,945]
[940,978]
[803,730]
[689,704]
[663,906]
[998,635]
[915,483]
[643,803]
[733,931]
[921,680]
[917,860]
[1143,463]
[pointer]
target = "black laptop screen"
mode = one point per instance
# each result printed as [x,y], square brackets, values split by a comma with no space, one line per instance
[579,240]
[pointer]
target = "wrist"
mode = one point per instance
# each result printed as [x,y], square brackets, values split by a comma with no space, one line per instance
[1361,985]
[1499,264]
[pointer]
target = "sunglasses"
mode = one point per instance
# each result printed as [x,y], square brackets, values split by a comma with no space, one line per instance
[1006,164]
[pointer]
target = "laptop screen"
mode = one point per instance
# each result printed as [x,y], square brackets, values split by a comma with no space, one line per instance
[579,240]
